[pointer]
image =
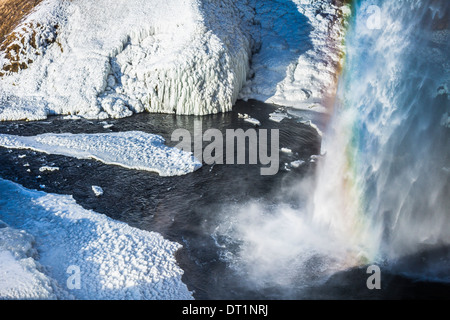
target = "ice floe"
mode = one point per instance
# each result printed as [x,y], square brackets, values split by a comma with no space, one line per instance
[98,191]
[131,149]
[46,239]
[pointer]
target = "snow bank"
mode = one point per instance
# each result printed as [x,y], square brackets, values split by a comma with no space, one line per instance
[115,260]
[279,115]
[110,58]
[132,149]
[300,48]
[22,276]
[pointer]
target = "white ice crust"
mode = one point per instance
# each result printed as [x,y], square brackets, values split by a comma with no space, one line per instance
[44,237]
[130,149]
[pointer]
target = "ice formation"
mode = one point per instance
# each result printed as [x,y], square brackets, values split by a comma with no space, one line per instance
[278,115]
[98,191]
[47,168]
[286,150]
[46,235]
[131,149]
[299,54]
[110,59]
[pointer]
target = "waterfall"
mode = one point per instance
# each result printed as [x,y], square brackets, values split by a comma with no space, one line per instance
[380,193]
[384,185]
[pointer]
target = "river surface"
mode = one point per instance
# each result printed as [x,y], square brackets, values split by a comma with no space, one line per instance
[196,209]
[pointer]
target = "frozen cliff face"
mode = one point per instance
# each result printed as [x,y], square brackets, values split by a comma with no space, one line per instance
[113,58]
[299,52]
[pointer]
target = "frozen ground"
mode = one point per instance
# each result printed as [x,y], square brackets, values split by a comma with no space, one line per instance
[112,58]
[45,237]
[131,149]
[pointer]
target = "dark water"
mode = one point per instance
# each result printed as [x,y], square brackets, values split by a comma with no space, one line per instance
[187,209]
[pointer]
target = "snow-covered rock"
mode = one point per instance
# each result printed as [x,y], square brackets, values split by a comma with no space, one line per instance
[112,58]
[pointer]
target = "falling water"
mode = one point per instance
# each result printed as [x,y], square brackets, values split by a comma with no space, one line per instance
[384,186]
[380,194]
